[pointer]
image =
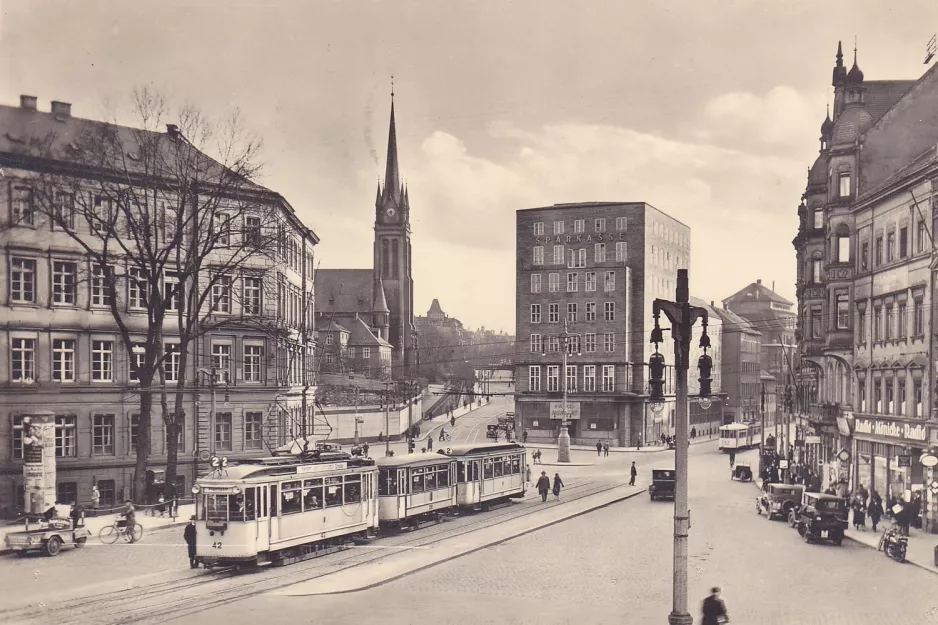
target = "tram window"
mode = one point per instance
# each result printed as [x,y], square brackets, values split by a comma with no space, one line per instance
[516,465]
[460,471]
[236,507]
[250,505]
[498,467]
[442,476]
[273,500]
[416,480]
[431,478]
[262,501]
[488,470]
[312,494]
[216,507]
[476,471]
[387,482]
[333,495]
[290,500]
[353,489]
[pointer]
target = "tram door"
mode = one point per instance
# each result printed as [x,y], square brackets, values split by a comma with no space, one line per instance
[274,516]
[263,520]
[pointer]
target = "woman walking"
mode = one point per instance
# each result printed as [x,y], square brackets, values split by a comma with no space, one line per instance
[875,510]
[859,513]
[543,485]
[558,484]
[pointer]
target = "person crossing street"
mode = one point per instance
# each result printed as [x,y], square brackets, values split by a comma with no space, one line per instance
[543,485]
[632,472]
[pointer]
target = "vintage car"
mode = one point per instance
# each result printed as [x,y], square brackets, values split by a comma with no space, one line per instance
[742,472]
[491,430]
[662,484]
[821,517]
[47,536]
[779,499]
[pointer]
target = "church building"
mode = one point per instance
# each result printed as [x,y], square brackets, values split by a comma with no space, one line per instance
[378,300]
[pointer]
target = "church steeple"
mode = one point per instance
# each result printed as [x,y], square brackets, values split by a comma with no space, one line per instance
[392,174]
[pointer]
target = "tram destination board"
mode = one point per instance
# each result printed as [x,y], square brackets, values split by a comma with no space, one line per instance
[322,468]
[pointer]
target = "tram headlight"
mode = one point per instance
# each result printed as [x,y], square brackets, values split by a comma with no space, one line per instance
[196,489]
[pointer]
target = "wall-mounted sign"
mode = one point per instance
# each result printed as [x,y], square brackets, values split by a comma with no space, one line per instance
[556,410]
[581,238]
[928,460]
[892,429]
[905,461]
[843,426]
[812,440]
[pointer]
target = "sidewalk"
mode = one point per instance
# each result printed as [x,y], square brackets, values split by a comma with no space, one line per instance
[695,441]
[922,545]
[95,524]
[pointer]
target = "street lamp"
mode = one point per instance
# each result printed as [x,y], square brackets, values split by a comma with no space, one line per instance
[563,437]
[682,316]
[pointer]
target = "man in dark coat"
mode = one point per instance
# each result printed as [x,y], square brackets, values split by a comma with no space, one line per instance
[599,448]
[714,610]
[543,485]
[189,535]
[632,472]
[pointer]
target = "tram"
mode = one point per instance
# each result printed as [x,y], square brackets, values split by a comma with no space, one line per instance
[739,436]
[283,509]
[415,488]
[487,473]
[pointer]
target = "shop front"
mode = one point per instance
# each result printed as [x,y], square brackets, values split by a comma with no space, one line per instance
[887,456]
[587,421]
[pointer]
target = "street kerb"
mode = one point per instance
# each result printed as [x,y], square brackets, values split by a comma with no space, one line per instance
[397,566]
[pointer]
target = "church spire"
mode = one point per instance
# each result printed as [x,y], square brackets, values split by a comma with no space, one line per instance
[392,176]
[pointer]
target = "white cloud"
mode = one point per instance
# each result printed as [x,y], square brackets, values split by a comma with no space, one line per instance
[783,117]
[740,206]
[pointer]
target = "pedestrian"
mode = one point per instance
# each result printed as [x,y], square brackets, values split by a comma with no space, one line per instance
[452,422]
[189,535]
[558,484]
[714,610]
[543,485]
[859,514]
[875,510]
[524,436]
[527,473]
[599,448]
[159,507]
[423,450]
[95,497]
[380,437]
[537,456]
[606,449]
[639,441]
[365,450]
[169,494]
[732,459]
[77,515]
[632,472]
[429,442]
[693,432]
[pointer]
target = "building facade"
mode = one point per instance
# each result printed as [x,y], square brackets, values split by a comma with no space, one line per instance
[382,297]
[62,349]
[866,283]
[586,274]
[741,368]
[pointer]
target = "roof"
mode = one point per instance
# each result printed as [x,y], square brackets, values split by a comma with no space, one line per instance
[380,303]
[467,449]
[407,460]
[328,325]
[344,290]
[757,291]
[902,133]
[881,95]
[435,308]
[361,334]
[734,323]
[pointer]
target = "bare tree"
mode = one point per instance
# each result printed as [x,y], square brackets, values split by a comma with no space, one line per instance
[169,220]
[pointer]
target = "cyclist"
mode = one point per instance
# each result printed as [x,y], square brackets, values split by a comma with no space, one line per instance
[443,435]
[129,517]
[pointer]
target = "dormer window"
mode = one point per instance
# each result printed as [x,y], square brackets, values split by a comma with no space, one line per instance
[844,186]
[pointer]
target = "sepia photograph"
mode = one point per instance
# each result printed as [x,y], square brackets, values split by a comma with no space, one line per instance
[505,312]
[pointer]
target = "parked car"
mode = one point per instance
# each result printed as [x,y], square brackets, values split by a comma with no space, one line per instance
[822,517]
[779,499]
[662,484]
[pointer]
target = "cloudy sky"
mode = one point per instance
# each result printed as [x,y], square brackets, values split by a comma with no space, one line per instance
[706,109]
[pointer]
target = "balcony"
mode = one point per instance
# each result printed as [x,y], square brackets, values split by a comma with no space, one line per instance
[840,340]
[825,413]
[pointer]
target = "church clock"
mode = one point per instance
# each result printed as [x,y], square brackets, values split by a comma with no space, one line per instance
[391,212]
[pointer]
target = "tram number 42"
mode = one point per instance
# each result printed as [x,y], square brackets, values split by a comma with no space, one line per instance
[216,545]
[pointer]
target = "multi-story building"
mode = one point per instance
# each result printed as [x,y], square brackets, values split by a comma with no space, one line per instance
[591,270]
[705,422]
[352,347]
[62,349]
[772,315]
[741,375]
[865,252]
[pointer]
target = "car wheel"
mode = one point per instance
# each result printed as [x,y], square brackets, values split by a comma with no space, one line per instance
[54,546]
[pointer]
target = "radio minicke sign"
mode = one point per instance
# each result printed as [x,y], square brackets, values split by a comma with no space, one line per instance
[891,429]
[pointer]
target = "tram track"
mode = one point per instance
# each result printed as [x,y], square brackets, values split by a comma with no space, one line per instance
[163,601]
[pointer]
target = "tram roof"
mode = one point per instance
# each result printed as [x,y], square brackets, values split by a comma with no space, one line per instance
[285,465]
[734,426]
[406,460]
[467,449]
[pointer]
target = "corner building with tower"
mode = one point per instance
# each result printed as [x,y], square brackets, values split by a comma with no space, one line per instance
[592,270]
[864,383]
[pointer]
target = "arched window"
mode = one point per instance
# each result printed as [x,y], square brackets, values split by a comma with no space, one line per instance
[842,244]
[385,259]
[395,258]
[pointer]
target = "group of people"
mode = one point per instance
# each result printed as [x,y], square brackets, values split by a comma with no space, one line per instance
[602,448]
[864,503]
[544,485]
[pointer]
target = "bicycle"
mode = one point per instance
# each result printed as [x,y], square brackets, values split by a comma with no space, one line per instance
[445,437]
[109,534]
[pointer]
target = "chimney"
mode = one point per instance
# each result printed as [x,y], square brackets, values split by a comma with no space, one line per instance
[61,109]
[28,102]
[773,286]
[172,130]
[711,304]
[758,280]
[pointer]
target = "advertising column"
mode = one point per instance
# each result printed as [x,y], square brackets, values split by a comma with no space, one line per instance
[39,461]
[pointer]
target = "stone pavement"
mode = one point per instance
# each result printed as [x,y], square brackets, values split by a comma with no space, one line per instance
[694,441]
[95,524]
[407,562]
[923,547]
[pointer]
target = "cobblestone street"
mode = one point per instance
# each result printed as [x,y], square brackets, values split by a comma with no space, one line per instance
[614,566]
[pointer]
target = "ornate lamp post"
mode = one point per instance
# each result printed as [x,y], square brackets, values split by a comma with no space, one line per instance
[682,317]
[567,345]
